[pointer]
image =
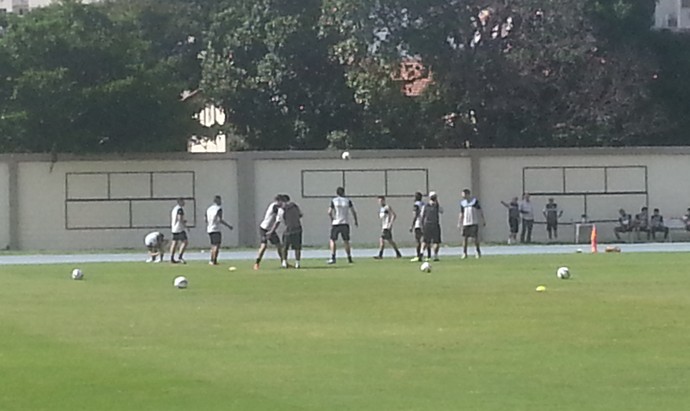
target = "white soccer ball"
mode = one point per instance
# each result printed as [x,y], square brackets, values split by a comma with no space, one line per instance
[77,274]
[180,282]
[425,267]
[345,155]
[563,273]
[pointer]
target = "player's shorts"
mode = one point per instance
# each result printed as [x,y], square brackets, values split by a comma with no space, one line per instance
[342,230]
[470,231]
[293,240]
[514,225]
[387,234]
[432,234]
[181,236]
[215,238]
[268,238]
[551,225]
[418,235]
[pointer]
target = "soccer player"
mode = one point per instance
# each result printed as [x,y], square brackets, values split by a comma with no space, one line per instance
[527,213]
[657,225]
[214,220]
[339,213]
[431,226]
[387,216]
[417,224]
[292,236]
[267,230]
[178,226]
[552,214]
[513,219]
[471,215]
[641,222]
[155,242]
[625,224]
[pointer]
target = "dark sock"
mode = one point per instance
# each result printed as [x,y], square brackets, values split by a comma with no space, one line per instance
[333,257]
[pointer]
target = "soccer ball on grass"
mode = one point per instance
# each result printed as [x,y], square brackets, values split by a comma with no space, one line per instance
[425,267]
[345,155]
[180,282]
[77,274]
[563,273]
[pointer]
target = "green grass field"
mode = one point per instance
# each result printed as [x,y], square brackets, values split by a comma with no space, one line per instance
[473,335]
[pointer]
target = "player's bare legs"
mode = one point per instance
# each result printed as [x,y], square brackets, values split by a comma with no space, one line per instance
[173,248]
[398,254]
[348,251]
[476,245]
[333,250]
[382,246]
[437,246]
[260,256]
[464,247]
[183,248]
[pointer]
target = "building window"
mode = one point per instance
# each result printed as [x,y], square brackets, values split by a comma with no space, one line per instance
[672,21]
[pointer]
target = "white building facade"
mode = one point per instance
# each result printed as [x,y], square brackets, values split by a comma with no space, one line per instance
[672,15]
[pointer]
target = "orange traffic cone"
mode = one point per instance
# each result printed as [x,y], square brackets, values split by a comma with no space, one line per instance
[594,239]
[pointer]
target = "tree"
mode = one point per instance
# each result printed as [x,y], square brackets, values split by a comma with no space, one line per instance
[266,65]
[505,73]
[80,81]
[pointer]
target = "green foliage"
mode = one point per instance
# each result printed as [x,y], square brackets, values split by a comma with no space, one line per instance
[314,74]
[80,81]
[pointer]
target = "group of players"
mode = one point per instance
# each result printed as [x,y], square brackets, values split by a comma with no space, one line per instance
[426,227]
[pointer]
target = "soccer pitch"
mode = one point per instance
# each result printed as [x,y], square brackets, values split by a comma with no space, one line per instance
[472,335]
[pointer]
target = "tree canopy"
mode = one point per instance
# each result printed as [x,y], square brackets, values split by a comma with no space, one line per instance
[313,74]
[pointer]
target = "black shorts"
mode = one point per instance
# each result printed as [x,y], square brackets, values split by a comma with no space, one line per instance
[266,237]
[432,234]
[551,225]
[342,230]
[514,224]
[215,238]
[293,240]
[470,231]
[387,234]
[418,235]
[182,236]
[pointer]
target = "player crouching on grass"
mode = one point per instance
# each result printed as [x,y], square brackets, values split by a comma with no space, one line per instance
[155,243]
[292,236]
[387,216]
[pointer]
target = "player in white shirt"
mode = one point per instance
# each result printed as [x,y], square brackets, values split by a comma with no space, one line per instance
[470,217]
[268,227]
[214,221]
[387,216]
[339,213]
[416,227]
[155,243]
[178,227]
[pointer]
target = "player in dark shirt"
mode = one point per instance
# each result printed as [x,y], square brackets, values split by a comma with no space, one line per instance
[552,214]
[641,222]
[657,225]
[292,236]
[625,224]
[513,219]
[431,226]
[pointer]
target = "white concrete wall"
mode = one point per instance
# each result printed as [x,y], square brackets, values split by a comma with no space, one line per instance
[46,204]
[4,206]
[52,212]
[447,176]
[501,179]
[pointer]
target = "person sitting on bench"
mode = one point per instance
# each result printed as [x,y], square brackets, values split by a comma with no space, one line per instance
[657,225]
[642,222]
[625,224]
